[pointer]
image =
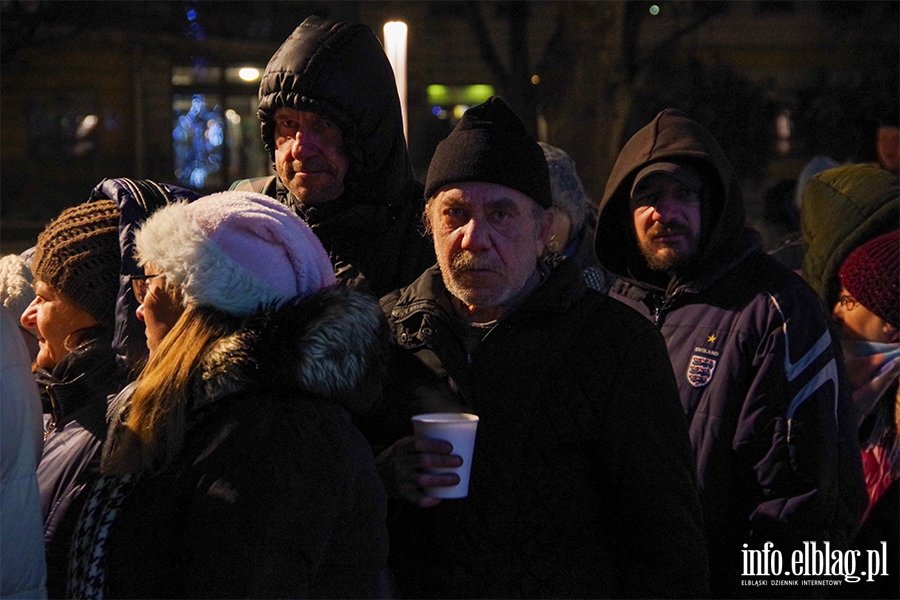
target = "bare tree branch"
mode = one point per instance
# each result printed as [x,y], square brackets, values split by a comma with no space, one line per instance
[485,44]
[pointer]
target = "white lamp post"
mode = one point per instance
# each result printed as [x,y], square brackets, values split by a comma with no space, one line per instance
[395,48]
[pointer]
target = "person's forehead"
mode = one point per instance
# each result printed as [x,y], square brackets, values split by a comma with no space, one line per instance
[656,181]
[42,288]
[289,111]
[482,193]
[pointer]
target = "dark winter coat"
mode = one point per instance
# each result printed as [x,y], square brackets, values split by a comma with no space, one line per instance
[760,375]
[74,398]
[275,492]
[581,250]
[373,232]
[581,482]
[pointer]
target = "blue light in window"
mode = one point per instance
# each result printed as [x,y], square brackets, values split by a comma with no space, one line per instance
[191,14]
[198,139]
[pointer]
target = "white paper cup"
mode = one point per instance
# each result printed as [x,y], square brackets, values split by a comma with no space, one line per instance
[459,430]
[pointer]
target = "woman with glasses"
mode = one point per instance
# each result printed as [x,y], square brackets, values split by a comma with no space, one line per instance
[868,311]
[232,468]
[76,279]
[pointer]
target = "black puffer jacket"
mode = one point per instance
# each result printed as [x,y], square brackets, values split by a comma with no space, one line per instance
[581,482]
[339,70]
[759,372]
[275,492]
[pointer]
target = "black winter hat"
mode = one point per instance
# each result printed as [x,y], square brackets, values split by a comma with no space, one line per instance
[491,144]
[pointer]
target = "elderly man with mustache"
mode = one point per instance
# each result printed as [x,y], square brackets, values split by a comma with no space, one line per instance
[582,479]
[758,369]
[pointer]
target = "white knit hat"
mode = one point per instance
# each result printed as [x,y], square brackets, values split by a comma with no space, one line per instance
[16,279]
[235,251]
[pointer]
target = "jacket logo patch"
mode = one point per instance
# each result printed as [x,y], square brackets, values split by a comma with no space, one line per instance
[700,371]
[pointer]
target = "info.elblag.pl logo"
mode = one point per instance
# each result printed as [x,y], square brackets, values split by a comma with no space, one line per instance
[813,561]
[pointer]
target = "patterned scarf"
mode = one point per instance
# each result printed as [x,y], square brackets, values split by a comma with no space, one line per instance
[87,566]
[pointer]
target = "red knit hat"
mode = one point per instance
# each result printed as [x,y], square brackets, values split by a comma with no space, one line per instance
[872,275]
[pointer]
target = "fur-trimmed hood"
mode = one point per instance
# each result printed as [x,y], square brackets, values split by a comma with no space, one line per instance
[332,344]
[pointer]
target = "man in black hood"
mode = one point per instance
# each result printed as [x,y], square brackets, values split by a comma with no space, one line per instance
[759,373]
[331,122]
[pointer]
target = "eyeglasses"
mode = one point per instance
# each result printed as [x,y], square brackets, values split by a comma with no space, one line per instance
[139,285]
[848,302]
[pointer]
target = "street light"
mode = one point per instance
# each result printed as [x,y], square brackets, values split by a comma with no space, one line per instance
[395,48]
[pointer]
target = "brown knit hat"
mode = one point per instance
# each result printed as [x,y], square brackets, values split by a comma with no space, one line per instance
[77,254]
[872,275]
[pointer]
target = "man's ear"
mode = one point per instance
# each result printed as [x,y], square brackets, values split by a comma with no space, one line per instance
[427,225]
[546,225]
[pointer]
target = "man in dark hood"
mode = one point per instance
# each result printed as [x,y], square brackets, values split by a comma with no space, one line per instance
[331,122]
[759,373]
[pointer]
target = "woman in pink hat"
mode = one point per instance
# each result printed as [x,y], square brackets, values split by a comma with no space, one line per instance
[232,467]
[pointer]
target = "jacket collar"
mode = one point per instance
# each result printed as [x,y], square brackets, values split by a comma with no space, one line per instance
[562,286]
[72,389]
[327,345]
[695,281]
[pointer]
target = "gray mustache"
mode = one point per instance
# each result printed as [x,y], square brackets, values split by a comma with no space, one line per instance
[466,260]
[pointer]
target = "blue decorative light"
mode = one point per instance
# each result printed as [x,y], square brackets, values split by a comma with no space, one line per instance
[198,140]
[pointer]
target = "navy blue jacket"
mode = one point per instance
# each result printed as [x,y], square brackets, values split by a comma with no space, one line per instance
[759,372]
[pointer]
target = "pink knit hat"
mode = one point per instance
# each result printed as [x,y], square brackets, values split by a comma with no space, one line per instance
[235,251]
[872,275]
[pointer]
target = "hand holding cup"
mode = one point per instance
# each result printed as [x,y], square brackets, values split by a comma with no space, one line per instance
[459,430]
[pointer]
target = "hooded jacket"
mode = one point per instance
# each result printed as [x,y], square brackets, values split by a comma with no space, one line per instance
[274,493]
[759,373]
[339,70]
[581,483]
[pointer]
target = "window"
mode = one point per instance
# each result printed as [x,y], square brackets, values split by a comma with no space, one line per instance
[64,124]
[215,132]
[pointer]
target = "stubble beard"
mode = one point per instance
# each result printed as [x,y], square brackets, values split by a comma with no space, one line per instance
[304,195]
[667,258]
[454,275]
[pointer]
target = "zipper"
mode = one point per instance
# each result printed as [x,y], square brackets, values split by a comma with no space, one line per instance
[50,427]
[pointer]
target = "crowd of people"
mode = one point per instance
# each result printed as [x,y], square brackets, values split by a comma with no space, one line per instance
[227,381]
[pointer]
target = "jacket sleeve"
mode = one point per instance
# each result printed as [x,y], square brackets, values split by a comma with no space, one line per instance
[21,542]
[797,431]
[659,536]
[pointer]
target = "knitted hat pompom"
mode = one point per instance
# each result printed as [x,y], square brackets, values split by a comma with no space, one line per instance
[16,280]
[871,273]
[235,251]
